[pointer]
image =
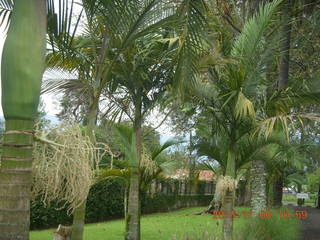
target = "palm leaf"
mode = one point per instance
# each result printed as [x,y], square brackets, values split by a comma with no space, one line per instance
[128,141]
[250,45]
[192,42]
[6,7]
[244,107]
[157,151]
[267,126]
[104,174]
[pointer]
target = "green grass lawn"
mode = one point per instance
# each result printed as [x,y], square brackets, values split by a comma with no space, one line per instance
[174,225]
[311,201]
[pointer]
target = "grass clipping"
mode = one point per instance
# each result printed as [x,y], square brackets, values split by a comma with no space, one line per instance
[64,166]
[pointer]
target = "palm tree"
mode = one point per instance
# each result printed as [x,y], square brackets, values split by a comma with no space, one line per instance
[213,144]
[234,92]
[21,79]
[231,84]
[94,56]
[104,66]
[151,166]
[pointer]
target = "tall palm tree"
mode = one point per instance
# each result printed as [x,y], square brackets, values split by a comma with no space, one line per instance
[233,89]
[21,79]
[102,55]
[234,81]
[152,163]
[93,56]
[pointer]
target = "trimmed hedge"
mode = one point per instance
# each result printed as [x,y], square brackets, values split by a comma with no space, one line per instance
[105,201]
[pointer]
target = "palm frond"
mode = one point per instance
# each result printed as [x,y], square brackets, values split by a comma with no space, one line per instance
[244,107]
[61,27]
[6,7]
[250,44]
[192,42]
[104,174]
[267,126]
[57,80]
[155,152]
[129,20]
[128,141]
[248,41]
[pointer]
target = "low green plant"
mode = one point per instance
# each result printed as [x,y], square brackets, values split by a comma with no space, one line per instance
[273,228]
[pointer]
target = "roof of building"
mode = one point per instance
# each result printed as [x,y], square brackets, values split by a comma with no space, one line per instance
[204,175]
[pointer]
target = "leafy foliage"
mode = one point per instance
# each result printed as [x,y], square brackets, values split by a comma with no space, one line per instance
[105,201]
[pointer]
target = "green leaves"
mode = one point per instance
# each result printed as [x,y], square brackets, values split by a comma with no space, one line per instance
[6,7]
[192,42]
[128,141]
[248,43]
[281,121]
[156,152]
[244,107]
[251,44]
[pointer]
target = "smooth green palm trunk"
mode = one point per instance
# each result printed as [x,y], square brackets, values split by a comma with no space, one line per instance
[78,222]
[133,214]
[79,214]
[277,189]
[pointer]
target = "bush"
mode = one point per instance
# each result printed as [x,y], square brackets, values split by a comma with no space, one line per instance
[275,228]
[106,201]
[42,216]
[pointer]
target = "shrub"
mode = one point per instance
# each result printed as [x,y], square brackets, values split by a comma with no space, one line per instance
[275,228]
[106,201]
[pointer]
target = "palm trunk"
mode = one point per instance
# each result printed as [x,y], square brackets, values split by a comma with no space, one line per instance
[228,220]
[277,192]
[80,213]
[21,76]
[254,6]
[90,122]
[78,222]
[270,193]
[125,202]
[133,215]
[318,204]
[15,180]
[259,182]
[228,200]
[285,44]
[247,195]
